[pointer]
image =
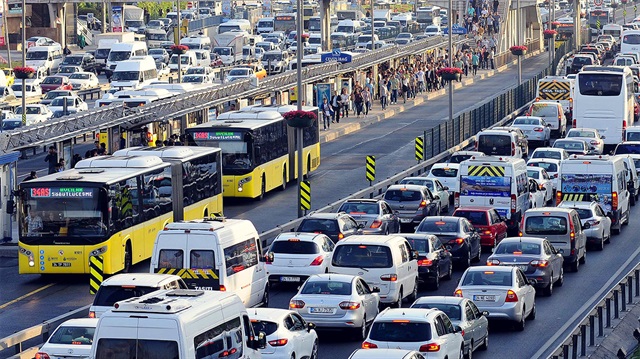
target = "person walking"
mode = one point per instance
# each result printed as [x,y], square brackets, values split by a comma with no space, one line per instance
[366,98]
[336,101]
[475,61]
[358,101]
[327,113]
[345,102]
[52,159]
[384,94]
[394,86]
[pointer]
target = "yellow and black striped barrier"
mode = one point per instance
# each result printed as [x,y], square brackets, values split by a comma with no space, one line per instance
[96,273]
[371,168]
[419,149]
[189,273]
[487,171]
[574,197]
[305,195]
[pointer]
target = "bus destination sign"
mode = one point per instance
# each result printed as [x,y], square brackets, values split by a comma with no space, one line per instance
[218,136]
[62,192]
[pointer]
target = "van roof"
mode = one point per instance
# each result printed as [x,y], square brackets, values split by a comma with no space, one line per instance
[176,152]
[119,162]
[494,158]
[371,239]
[139,279]
[178,301]
[206,224]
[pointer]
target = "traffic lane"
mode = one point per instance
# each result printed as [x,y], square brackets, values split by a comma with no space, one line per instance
[342,165]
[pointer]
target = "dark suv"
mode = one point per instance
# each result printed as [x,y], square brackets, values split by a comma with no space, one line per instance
[86,61]
[336,226]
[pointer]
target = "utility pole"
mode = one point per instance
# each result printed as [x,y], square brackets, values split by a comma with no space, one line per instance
[299,53]
[24,61]
[178,42]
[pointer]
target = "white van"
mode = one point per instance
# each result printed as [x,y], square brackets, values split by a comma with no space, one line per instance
[597,178]
[203,58]
[496,182]
[387,262]
[187,60]
[46,57]
[235,24]
[134,73]
[197,42]
[264,25]
[124,51]
[499,143]
[214,254]
[178,324]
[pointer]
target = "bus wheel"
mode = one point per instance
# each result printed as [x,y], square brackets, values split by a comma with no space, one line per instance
[127,258]
[284,179]
[262,189]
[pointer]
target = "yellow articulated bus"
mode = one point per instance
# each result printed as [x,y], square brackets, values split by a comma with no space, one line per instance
[112,206]
[255,150]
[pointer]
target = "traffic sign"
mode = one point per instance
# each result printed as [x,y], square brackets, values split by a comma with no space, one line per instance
[337,56]
[455,29]
[96,270]
[419,149]
[598,2]
[371,168]
[598,24]
[624,12]
[305,195]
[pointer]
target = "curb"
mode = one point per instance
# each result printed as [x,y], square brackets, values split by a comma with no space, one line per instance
[10,251]
[331,135]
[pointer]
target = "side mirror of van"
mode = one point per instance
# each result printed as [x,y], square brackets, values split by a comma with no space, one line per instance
[415,255]
[258,342]
[310,326]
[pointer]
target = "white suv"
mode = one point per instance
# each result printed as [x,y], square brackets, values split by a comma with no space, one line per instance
[430,330]
[294,257]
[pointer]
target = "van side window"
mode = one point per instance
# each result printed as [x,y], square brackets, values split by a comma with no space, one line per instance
[241,256]
[404,253]
[215,340]
[170,258]
[201,259]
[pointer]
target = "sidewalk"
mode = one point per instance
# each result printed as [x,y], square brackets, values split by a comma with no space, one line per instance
[353,124]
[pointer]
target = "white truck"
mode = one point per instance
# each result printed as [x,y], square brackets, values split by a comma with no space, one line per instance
[105,42]
[382,15]
[229,45]
[134,19]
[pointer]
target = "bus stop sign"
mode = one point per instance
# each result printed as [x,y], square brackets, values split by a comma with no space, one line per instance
[337,56]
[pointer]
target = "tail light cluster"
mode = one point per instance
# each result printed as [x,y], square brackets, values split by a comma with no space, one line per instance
[317,261]
[431,347]
[539,263]
[514,201]
[376,223]
[425,262]
[232,351]
[367,345]
[538,129]
[41,355]
[296,304]
[423,204]
[513,149]
[614,201]
[349,305]
[458,293]
[389,277]
[511,296]
[278,342]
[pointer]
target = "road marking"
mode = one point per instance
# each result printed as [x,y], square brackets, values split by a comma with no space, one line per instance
[588,305]
[27,295]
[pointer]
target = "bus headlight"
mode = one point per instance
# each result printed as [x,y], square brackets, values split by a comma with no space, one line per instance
[98,251]
[32,263]
[242,182]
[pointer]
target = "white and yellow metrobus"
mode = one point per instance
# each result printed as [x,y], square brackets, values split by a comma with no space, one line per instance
[112,206]
[255,150]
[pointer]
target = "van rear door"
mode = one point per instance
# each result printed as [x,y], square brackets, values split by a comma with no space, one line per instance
[487,185]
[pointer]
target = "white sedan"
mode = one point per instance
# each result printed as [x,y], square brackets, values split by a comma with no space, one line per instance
[84,80]
[591,135]
[36,113]
[288,335]
[534,128]
[74,104]
[545,183]
[436,187]
[503,291]
[196,79]
[32,89]
[240,73]
[446,173]
[72,338]
[293,257]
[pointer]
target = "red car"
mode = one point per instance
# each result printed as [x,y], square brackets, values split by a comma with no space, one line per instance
[54,82]
[487,221]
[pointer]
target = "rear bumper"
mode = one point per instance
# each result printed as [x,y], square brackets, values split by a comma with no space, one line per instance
[508,311]
[349,320]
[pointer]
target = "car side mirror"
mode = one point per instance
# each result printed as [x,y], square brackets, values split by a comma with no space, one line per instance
[603,137]
[448,248]
[311,326]
[361,226]
[458,329]
[375,289]
[586,226]
[446,188]
[548,125]
[436,197]
[415,255]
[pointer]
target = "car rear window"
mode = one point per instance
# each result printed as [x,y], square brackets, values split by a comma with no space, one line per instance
[500,278]
[359,208]
[73,335]
[294,247]
[544,111]
[588,134]
[419,182]
[553,225]
[459,158]
[549,167]
[316,225]
[400,331]
[420,245]
[402,196]
[622,149]
[326,287]
[533,174]
[362,256]
[263,326]
[495,144]
[518,248]
[633,136]
[475,217]
[437,226]
[453,311]
[547,154]
[584,213]
[108,295]
[444,172]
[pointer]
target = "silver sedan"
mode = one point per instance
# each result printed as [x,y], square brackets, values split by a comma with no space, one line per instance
[375,215]
[436,187]
[463,313]
[535,128]
[337,301]
[589,135]
[599,231]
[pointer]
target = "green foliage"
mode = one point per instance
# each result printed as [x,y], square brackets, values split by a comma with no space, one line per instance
[158,9]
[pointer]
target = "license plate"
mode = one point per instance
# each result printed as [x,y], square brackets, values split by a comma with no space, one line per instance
[405,220]
[484,298]
[320,310]
[289,279]
[61,264]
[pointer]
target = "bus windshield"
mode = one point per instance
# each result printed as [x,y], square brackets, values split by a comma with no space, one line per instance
[54,214]
[236,152]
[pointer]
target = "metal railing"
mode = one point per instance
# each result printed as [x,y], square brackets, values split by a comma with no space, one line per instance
[201,24]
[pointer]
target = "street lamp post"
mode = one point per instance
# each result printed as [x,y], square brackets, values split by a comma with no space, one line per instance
[450,27]
[519,36]
[299,53]
[24,61]
[179,21]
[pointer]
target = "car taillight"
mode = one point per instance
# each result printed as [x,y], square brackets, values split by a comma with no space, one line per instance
[541,187]
[340,236]
[574,124]
[488,232]
[92,314]
[278,342]
[457,293]
[389,277]
[555,175]
[539,263]
[458,240]
[493,262]
[431,347]
[614,201]
[222,288]
[624,124]
[425,262]
[229,352]
[422,204]
[456,200]
[296,304]
[268,259]
[595,142]
[511,296]
[41,355]
[514,200]
[558,198]
[513,149]
[318,261]
[367,345]
[376,223]
[349,305]
[538,129]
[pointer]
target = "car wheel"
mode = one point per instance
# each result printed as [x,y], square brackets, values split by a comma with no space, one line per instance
[362,331]
[479,255]
[632,200]
[548,290]
[575,266]
[520,325]
[284,180]
[469,351]
[314,351]
[262,189]
[560,280]
[414,293]
[436,282]
[607,239]
[449,274]
[386,231]
[584,257]
[532,315]
[467,263]
[626,220]
[600,245]
[265,297]
[485,343]
[398,304]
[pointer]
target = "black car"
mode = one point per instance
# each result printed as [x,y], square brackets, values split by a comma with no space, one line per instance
[336,226]
[458,235]
[85,61]
[434,260]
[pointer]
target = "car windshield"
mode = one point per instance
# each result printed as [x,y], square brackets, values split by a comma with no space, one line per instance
[11,124]
[625,148]
[68,69]
[453,311]
[556,155]
[73,60]
[326,287]
[193,78]
[544,110]
[156,52]
[551,225]
[195,71]
[116,56]
[518,248]
[53,94]
[362,256]
[37,55]
[264,326]
[73,335]
[438,226]
[495,278]
[359,208]
[402,195]
[108,295]
[60,101]
[475,217]
[578,133]
[222,51]
[52,80]
[125,76]
[239,72]
[444,172]
[294,246]
[400,331]
[30,110]
[272,57]
[80,76]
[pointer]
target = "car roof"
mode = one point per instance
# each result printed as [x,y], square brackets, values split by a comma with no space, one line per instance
[322,215]
[490,269]
[446,165]
[474,208]
[272,314]
[381,353]
[550,210]
[412,187]
[141,279]
[369,239]
[332,277]
[302,236]
[406,313]
[576,204]
[440,299]
[363,200]
[520,239]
